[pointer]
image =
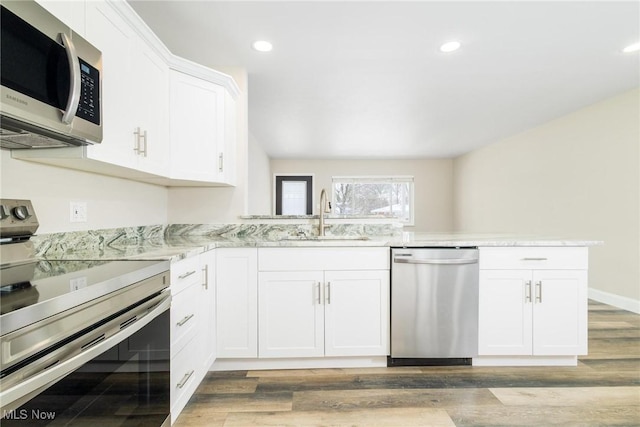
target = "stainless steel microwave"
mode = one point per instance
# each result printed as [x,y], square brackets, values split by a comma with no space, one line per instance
[51,81]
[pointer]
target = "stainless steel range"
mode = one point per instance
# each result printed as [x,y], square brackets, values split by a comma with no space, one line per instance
[81,341]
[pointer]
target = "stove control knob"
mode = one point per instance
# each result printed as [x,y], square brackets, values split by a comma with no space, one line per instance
[21,212]
[3,212]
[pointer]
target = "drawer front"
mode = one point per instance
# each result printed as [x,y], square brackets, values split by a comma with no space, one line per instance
[335,258]
[534,258]
[184,377]
[184,317]
[184,273]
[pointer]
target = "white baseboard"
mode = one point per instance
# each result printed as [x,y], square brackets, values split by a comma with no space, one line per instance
[624,303]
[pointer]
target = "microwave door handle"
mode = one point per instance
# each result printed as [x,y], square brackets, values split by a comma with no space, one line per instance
[74,87]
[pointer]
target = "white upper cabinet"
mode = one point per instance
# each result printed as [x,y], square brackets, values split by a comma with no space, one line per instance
[179,133]
[203,134]
[197,107]
[110,33]
[134,94]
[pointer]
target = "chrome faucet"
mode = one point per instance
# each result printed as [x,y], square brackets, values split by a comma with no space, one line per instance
[325,207]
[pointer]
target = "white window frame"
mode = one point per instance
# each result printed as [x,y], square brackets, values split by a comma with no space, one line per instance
[379,179]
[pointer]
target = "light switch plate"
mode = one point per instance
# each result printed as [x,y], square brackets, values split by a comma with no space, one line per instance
[78,211]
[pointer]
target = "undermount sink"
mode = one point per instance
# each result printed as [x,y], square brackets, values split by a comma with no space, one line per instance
[321,238]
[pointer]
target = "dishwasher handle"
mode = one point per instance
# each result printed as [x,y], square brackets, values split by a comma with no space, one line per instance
[436,261]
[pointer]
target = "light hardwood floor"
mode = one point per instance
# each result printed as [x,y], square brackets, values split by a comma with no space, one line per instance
[603,390]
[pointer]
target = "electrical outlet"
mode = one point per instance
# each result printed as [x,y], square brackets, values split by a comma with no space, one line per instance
[78,212]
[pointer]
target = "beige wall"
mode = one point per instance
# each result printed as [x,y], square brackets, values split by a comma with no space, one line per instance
[576,176]
[194,205]
[433,183]
[259,179]
[111,202]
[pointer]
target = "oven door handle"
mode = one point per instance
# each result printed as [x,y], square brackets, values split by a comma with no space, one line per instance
[15,396]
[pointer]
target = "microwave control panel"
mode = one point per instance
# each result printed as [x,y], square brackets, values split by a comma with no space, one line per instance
[89,107]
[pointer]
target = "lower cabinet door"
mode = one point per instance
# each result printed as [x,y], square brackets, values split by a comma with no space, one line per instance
[560,312]
[237,302]
[357,313]
[505,313]
[291,314]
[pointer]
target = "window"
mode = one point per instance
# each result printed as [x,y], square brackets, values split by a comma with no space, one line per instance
[293,194]
[374,195]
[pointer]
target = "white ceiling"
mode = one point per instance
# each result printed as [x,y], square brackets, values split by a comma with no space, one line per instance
[361,79]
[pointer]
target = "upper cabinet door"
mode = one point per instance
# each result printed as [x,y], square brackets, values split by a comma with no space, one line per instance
[110,33]
[151,104]
[197,127]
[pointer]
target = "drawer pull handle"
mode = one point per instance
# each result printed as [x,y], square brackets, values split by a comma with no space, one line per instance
[185,275]
[185,379]
[185,320]
[533,259]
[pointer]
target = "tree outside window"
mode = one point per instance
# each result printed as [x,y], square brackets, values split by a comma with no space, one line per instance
[374,196]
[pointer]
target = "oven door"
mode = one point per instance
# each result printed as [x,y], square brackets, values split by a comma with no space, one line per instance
[118,381]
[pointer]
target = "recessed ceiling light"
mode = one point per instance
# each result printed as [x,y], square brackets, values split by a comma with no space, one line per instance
[632,48]
[450,46]
[262,46]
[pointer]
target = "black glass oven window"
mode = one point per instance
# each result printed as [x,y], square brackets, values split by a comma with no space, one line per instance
[128,385]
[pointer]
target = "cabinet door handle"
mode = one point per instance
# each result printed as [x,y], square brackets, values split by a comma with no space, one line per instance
[205,270]
[185,320]
[144,144]
[527,292]
[184,379]
[328,292]
[185,275]
[319,292]
[533,259]
[221,162]
[539,291]
[136,140]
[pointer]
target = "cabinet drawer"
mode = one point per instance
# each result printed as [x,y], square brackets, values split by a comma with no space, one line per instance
[537,258]
[184,273]
[336,258]
[184,317]
[184,375]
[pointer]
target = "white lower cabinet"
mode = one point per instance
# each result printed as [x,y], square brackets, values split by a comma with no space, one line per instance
[533,302]
[323,313]
[316,313]
[237,302]
[207,331]
[192,326]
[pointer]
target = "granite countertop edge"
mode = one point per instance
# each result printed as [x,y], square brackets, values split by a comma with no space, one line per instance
[186,247]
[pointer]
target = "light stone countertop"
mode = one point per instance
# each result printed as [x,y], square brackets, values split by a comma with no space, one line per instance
[175,248]
[196,245]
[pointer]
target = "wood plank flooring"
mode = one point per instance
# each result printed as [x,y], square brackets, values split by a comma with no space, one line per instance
[603,390]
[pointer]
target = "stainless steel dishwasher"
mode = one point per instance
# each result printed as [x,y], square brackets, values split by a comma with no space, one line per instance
[434,306]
